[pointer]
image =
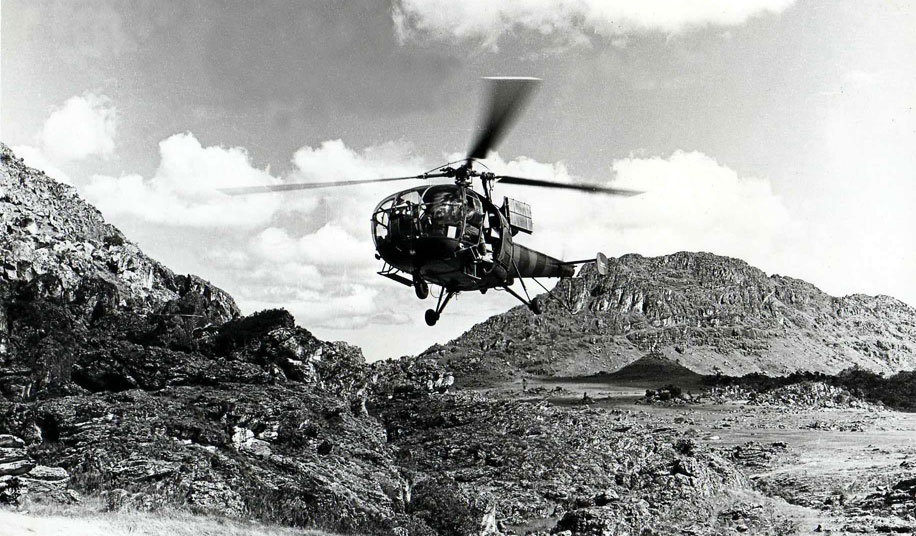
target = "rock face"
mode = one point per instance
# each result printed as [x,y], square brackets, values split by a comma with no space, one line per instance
[709,313]
[19,475]
[71,285]
[119,377]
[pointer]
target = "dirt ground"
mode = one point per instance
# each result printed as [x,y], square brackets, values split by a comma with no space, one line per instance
[830,471]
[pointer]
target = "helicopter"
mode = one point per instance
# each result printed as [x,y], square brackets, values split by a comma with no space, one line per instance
[456,237]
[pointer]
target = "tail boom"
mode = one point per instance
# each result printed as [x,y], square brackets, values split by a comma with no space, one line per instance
[527,262]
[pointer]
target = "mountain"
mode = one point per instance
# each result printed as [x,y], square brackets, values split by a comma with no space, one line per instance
[148,390]
[706,312]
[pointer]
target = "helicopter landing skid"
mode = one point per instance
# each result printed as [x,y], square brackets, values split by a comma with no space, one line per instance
[533,305]
[394,274]
[432,315]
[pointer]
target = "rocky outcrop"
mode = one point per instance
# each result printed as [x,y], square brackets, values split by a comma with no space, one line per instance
[529,461]
[71,285]
[122,379]
[21,476]
[711,314]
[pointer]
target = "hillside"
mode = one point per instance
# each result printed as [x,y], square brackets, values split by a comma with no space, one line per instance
[123,380]
[145,390]
[709,313]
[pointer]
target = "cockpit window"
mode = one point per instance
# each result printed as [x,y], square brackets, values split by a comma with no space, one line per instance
[444,207]
[443,211]
[411,197]
[434,211]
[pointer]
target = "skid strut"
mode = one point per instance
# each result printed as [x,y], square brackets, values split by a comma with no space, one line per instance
[432,315]
[532,304]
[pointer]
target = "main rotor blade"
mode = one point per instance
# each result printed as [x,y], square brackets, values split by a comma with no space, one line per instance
[245,190]
[507,98]
[566,186]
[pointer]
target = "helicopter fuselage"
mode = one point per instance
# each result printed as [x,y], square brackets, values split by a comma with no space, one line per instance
[452,236]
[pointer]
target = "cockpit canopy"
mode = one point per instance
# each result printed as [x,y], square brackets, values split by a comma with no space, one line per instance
[441,211]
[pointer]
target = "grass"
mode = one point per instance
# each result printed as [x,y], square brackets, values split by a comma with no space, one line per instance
[89,518]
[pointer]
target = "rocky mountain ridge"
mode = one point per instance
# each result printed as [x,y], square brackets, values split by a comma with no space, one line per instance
[710,313]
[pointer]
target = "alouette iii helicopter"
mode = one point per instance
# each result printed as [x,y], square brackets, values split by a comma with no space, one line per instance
[453,236]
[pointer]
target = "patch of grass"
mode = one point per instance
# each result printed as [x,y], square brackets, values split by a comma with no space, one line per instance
[90,518]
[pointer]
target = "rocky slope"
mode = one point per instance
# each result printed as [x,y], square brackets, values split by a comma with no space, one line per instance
[148,387]
[123,380]
[709,313]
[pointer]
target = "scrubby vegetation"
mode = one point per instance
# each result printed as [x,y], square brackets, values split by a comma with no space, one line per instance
[896,392]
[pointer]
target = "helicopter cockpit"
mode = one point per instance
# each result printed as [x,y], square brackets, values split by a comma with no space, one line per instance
[438,220]
[428,212]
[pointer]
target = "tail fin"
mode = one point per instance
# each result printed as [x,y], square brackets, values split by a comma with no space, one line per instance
[601,263]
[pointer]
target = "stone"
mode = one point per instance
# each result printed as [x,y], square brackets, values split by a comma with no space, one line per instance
[11,441]
[16,468]
[51,474]
[12,455]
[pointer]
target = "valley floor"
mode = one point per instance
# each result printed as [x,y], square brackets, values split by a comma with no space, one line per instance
[826,471]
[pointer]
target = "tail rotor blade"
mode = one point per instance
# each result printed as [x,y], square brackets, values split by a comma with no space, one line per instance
[508,95]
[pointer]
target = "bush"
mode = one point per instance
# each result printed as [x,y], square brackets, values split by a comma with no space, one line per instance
[440,504]
[237,333]
[114,240]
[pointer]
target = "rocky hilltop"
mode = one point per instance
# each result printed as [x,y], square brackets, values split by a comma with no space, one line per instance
[709,313]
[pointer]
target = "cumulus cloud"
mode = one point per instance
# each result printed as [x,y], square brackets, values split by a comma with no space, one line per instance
[328,246]
[83,127]
[32,156]
[184,190]
[308,251]
[690,202]
[567,22]
[327,230]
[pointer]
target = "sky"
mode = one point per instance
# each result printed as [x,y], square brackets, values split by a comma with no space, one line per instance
[781,132]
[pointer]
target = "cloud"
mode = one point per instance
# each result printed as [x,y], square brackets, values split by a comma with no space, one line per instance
[308,251]
[184,190]
[329,246]
[33,157]
[85,126]
[567,22]
[690,202]
[327,231]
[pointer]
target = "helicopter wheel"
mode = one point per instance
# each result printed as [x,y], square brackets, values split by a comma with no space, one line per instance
[535,307]
[421,288]
[431,317]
